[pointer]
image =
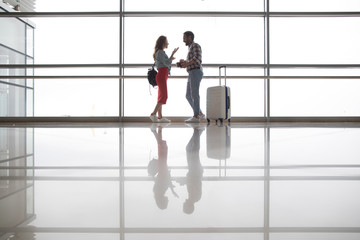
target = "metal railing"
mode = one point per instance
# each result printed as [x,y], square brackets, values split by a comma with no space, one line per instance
[258,66]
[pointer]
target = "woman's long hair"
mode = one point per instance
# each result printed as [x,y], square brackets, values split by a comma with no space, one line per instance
[159,44]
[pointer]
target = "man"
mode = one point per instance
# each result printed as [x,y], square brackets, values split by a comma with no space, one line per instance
[194,68]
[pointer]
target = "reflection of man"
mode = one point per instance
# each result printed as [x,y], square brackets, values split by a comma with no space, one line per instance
[195,173]
[159,168]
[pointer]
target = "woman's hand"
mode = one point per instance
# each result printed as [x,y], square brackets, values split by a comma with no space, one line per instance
[175,50]
[172,55]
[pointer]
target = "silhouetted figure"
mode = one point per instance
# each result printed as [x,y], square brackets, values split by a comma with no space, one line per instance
[158,168]
[195,172]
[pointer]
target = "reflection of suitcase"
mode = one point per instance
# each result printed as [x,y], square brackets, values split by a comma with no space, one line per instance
[218,142]
[218,101]
[218,145]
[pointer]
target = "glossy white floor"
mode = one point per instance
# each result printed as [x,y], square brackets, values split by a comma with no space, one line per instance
[144,181]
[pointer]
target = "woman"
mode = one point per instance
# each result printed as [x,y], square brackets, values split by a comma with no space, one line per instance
[163,65]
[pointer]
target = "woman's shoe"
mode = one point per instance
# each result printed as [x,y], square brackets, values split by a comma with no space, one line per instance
[154,118]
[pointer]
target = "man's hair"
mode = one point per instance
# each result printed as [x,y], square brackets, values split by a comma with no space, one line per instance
[190,34]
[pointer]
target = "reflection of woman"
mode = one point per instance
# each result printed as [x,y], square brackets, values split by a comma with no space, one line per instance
[195,173]
[163,64]
[159,168]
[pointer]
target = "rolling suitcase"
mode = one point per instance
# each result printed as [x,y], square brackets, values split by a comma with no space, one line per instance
[218,101]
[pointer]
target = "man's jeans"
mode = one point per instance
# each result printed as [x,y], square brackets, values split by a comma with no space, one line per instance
[192,91]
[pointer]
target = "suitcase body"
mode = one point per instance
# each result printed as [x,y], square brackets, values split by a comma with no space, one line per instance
[218,101]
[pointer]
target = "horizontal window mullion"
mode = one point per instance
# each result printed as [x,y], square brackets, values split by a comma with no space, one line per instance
[193,14]
[288,167]
[175,77]
[133,14]
[92,121]
[215,65]
[59,14]
[314,14]
[177,179]
[178,14]
[60,65]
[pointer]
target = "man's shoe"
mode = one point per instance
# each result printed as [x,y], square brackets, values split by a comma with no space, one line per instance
[163,120]
[193,120]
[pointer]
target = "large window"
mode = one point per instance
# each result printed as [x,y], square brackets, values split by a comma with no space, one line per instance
[314,6]
[86,55]
[315,41]
[190,5]
[77,41]
[16,48]
[220,43]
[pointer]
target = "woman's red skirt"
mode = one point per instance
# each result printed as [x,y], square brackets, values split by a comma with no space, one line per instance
[161,80]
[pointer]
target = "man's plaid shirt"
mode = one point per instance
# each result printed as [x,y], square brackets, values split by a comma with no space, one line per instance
[194,54]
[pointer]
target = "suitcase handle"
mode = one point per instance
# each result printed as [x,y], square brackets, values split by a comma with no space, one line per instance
[220,67]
